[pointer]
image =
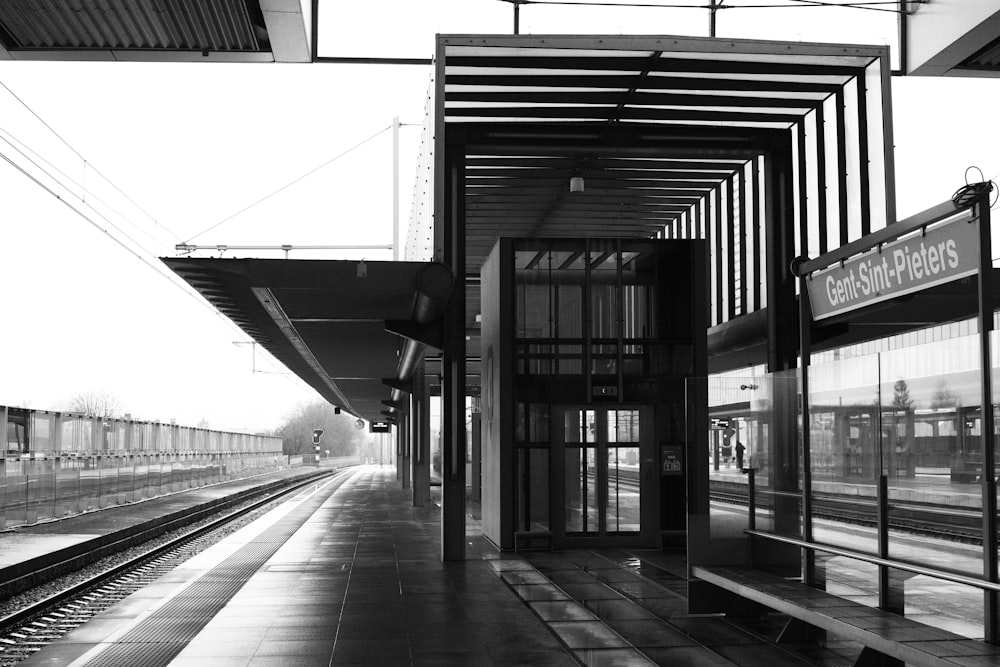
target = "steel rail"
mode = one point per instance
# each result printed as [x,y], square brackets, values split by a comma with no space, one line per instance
[13,621]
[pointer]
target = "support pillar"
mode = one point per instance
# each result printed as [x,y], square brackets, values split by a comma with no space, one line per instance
[420,437]
[453,385]
[782,353]
[476,483]
[403,449]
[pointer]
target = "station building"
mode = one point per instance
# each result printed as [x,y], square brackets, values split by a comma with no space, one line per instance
[610,286]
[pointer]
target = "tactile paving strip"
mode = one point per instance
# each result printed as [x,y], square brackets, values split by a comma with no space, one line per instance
[159,638]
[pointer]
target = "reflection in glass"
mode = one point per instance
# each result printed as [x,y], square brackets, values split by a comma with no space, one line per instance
[581,490]
[844,451]
[582,514]
[623,490]
[533,489]
[623,471]
[931,440]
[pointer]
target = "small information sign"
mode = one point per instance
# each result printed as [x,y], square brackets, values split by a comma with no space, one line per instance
[671,460]
[379,427]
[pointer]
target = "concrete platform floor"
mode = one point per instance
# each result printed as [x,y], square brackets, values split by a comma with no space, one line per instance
[350,574]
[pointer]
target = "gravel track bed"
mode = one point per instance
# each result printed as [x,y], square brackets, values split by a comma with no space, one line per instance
[34,595]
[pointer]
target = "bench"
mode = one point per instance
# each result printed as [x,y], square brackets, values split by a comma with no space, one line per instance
[882,633]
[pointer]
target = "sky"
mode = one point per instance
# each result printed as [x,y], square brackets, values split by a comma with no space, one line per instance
[144,156]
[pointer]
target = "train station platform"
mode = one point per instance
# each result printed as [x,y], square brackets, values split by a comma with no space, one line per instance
[350,574]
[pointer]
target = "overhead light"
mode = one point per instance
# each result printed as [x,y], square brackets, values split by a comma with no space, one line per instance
[576,184]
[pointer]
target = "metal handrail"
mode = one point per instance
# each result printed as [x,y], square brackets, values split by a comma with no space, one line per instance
[876,560]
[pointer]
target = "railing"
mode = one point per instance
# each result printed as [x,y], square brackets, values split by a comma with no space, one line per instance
[861,556]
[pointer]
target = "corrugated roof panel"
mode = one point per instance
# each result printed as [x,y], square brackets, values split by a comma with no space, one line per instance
[187,25]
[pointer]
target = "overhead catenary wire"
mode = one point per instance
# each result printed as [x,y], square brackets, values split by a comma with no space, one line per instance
[288,185]
[87,163]
[184,287]
[872,5]
[18,145]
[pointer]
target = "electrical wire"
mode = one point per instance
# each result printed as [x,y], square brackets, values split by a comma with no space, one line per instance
[86,162]
[979,185]
[871,5]
[288,185]
[11,140]
[294,379]
[184,287]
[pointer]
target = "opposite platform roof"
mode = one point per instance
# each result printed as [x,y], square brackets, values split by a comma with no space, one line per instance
[148,30]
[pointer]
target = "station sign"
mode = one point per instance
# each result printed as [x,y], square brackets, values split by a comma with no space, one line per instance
[379,427]
[938,255]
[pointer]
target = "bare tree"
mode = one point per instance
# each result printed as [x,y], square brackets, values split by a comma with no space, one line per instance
[97,404]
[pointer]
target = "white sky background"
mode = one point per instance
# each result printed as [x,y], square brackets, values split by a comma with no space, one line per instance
[194,143]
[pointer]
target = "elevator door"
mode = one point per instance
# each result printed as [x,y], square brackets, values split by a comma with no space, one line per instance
[601,448]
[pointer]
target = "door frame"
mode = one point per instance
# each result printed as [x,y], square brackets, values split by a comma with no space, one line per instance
[648,531]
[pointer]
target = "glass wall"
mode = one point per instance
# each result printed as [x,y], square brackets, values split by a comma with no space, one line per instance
[55,465]
[845,451]
[896,468]
[745,409]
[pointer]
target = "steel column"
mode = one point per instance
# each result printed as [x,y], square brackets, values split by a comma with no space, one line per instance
[991,612]
[453,385]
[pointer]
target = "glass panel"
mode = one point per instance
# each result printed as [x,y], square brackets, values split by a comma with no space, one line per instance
[848,578]
[533,314]
[941,604]
[14,493]
[569,311]
[569,359]
[932,452]
[623,490]
[533,489]
[68,488]
[42,491]
[739,416]
[843,423]
[603,309]
[581,490]
[90,483]
[604,360]
[623,510]
[778,492]
[108,481]
[580,428]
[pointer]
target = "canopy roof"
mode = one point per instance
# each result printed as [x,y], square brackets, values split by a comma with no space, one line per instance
[326,320]
[672,137]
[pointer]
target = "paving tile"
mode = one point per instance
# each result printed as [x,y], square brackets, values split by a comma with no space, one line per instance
[561,610]
[620,657]
[612,610]
[651,633]
[758,655]
[689,656]
[587,634]
[593,591]
[524,657]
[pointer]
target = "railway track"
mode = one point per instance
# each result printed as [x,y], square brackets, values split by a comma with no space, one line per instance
[919,519]
[45,618]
